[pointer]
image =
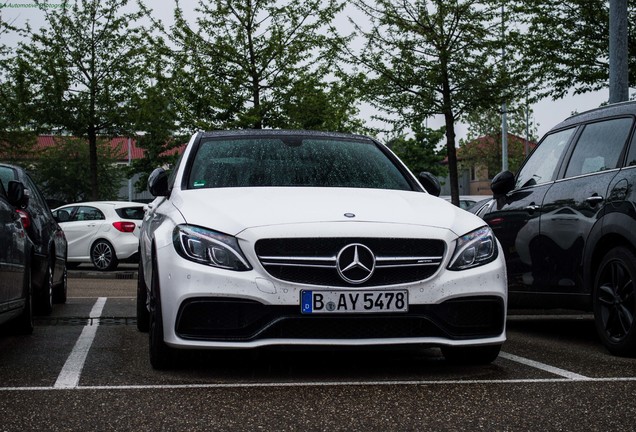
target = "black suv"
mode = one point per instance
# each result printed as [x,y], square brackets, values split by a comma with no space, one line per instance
[49,243]
[567,222]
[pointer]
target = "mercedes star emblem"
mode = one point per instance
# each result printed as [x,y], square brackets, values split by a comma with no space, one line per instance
[355,263]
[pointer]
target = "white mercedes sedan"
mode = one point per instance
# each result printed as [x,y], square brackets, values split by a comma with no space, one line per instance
[268,237]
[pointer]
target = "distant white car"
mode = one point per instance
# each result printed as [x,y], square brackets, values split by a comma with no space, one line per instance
[467,201]
[102,232]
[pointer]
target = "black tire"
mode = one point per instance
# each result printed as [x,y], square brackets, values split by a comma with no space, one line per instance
[60,290]
[615,301]
[161,355]
[103,256]
[143,315]
[23,324]
[479,355]
[44,305]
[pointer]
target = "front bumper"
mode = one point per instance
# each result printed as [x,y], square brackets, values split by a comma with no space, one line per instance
[204,307]
[238,320]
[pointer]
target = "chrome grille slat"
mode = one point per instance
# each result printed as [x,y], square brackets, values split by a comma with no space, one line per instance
[290,264]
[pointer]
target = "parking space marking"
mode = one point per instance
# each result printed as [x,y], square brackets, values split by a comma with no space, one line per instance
[70,374]
[552,369]
[247,385]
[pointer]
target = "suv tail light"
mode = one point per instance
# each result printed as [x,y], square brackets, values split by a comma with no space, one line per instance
[26,219]
[125,226]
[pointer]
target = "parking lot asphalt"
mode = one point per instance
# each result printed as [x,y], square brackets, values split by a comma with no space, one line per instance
[83,372]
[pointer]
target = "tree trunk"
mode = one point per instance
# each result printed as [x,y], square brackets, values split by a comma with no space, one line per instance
[451,152]
[449,122]
[92,162]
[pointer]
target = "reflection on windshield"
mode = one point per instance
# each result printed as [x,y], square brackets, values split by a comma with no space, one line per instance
[270,161]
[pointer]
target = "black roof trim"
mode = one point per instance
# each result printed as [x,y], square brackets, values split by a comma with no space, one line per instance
[612,110]
[280,132]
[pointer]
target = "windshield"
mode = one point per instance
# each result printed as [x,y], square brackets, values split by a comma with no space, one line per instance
[293,161]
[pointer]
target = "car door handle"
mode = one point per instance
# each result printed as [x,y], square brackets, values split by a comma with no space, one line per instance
[594,199]
[532,208]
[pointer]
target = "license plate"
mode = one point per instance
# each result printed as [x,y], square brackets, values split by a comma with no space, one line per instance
[326,302]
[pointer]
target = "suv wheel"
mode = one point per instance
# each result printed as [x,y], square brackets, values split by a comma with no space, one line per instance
[103,256]
[615,301]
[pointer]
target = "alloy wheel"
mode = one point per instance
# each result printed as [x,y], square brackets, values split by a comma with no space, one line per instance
[615,299]
[102,255]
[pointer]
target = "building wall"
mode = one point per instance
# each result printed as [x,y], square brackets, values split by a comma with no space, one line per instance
[126,194]
[463,181]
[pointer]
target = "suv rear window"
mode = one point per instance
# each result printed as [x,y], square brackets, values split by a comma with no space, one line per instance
[131,212]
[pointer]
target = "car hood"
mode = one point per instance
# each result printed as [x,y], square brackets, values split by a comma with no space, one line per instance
[232,210]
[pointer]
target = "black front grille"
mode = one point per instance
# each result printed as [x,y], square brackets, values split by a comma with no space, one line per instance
[313,260]
[239,320]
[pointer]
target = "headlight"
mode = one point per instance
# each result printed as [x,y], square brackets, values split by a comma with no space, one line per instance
[474,249]
[209,247]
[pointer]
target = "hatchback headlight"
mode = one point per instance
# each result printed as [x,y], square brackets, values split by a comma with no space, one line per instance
[209,247]
[476,248]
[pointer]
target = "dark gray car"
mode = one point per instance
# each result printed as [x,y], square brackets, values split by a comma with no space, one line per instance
[49,242]
[15,260]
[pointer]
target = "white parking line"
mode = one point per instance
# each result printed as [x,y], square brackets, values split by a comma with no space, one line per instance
[70,374]
[535,364]
[323,384]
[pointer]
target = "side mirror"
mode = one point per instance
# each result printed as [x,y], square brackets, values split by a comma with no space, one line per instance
[503,183]
[62,216]
[430,183]
[158,183]
[16,194]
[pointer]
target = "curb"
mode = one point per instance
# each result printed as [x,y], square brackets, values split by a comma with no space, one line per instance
[83,274]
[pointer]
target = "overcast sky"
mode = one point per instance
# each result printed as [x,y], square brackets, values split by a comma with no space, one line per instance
[547,113]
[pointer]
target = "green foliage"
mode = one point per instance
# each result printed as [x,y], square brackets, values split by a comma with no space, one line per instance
[566,45]
[155,123]
[482,147]
[260,63]
[485,153]
[420,153]
[17,135]
[436,57]
[313,104]
[83,66]
[62,171]
[16,140]
[488,121]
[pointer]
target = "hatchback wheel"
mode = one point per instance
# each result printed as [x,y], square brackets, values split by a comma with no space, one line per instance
[103,256]
[615,302]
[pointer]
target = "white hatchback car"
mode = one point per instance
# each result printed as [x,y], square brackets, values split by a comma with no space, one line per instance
[262,238]
[102,232]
